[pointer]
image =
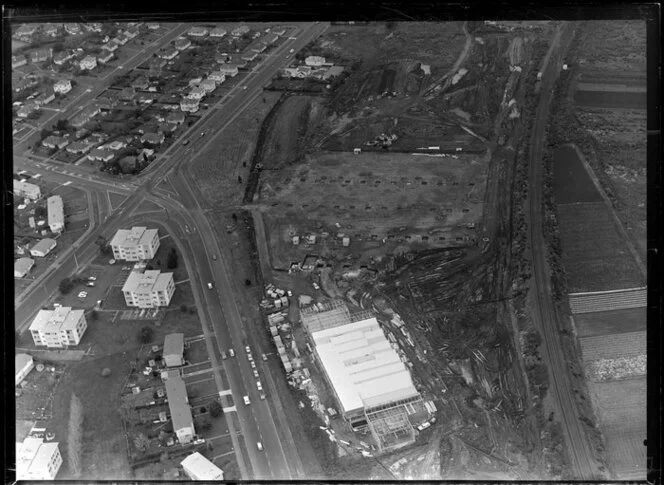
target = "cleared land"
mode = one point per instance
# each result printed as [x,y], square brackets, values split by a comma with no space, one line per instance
[614,45]
[621,407]
[613,322]
[595,256]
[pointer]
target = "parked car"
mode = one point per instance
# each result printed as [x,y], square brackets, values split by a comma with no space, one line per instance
[246,400]
[316,287]
[262,396]
[256,374]
[111,261]
[223,355]
[231,352]
[90,283]
[250,357]
[214,257]
[92,278]
[82,294]
[259,445]
[185,143]
[247,349]
[209,286]
[264,357]
[253,364]
[259,386]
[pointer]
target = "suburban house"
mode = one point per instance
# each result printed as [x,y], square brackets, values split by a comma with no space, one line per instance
[149,289]
[120,39]
[270,38]
[193,82]
[106,103]
[24,83]
[173,353]
[53,141]
[105,58]
[27,109]
[181,44]
[178,404]
[198,32]
[78,147]
[58,328]
[88,62]
[314,61]
[239,31]
[45,98]
[117,144]
[168,53]
[63,86]
[84,116]
[36,460]
[101,155]
[110,46]
[249,56]
[152,25]
[25,30]
[166,128]
[93,27]
[28,190]
[43,247]
[279,32]
[297,72]
[128,93]
[153,138]
[140,82]
[22,267]
[24,363]
[217,76]
[72,28]
[61,57]
[41,55]
[131,33]
[258,47]
[136,244]
[156,65]
[199,468]
[56,213]
[189,105]
[50,29]
[175,118]
[197,93]
[18,61]
[230,70]
[208,85]
[217,32]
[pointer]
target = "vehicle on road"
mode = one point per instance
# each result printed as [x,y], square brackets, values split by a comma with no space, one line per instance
[244,88]
[223,355]
[256,374]
[202,133]
[264,357]
[90,284]
[262,396]
[185,143]
[259,445]
[259,386]
[210,286]
[253,364]
[246,400]
[231,352]
[214,257]
[291,51]
[248,349]
[316,287]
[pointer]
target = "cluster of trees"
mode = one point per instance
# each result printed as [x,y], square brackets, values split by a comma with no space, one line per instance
[145,335]
[104,246]
[67,284]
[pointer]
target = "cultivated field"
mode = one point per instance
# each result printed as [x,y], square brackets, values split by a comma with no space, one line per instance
[614,45]
[218,167]
[611,99]
[613,322]
[595,256]
[621,409]
[629,344]
[572,181]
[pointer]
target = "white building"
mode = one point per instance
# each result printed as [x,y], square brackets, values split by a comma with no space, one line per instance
[36,460]
[88,62]
[135,244]
[173,353]
[178,405]
[197,93]
[217,76]
[197,467]
[217,32]
[189,105]
[22,267]
[148,290]
[43,247]
[56,213]
[314,61]
[58,328]
[230,70]
[208,85]
[23,365]
[198,32]
[24,189]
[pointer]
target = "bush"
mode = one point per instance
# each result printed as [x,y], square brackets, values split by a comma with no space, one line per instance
[183,308]
[215,409]
[145,335]
[94,315]
[106,372]
[65,286]
[172,261]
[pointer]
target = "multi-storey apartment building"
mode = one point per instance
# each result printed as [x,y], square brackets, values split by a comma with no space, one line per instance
[58,328]
[149,290]
[135,244]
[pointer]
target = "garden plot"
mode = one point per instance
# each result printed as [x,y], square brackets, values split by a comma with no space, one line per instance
[631,344]
[613,322]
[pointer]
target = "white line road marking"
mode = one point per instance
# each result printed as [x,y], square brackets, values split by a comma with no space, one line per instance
[227,392]
[229,409]
[223,454]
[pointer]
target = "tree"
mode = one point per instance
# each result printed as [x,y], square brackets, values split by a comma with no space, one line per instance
[239,179]
[183,308]
[94,315]
[172,261]
[234,216]
[215,409]
[141,442]
[40,211]
[65,286]
[145,335]
[247,282]
[104,246]
[74,436]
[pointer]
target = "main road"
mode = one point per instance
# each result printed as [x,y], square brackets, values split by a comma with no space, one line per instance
[280,459]
[583,463]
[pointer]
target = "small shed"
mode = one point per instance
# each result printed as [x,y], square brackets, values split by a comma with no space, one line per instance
[174,349]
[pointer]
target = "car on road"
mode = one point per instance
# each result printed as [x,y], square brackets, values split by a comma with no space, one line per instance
[209,286]
[264,357]
[259,445]
[90,284]
[259,386]
[214,257]
[223,355]
[246,400]
[256,374]
[92,278]
[247,349]
[83,294]
[185,143]
[202,133]
[253,364]
[316,287]
[231,352]
[262,396]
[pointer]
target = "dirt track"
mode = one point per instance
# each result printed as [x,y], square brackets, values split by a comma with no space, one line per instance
[583,463]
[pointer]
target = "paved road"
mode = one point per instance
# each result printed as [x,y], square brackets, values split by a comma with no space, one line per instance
[280,459]
[580,453]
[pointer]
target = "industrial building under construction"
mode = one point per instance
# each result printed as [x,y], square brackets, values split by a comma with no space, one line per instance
[371,384]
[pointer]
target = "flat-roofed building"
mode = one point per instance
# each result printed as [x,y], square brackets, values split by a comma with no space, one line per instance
[217,32]
[178,404]
[135,244]
[199,468]
[23,364]
[25,189]
[22,267]
[58,328]
[63,86]
[149,290]
[56,213]
[230,70]
[43,247]
[173,353]
[36,460]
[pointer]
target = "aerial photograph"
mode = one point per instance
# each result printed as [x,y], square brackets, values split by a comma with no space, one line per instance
[328,250]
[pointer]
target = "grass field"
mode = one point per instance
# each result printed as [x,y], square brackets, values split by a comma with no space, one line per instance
[613,322]
[595,255]
[621,409]
[614,45]
[218,167]
[572,182]
[611,99]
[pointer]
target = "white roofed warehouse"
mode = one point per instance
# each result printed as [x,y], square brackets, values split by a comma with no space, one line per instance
[197,467]
[135,244]
[148,290]
[371,384]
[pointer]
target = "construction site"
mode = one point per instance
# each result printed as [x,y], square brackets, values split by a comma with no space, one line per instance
[393,201]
